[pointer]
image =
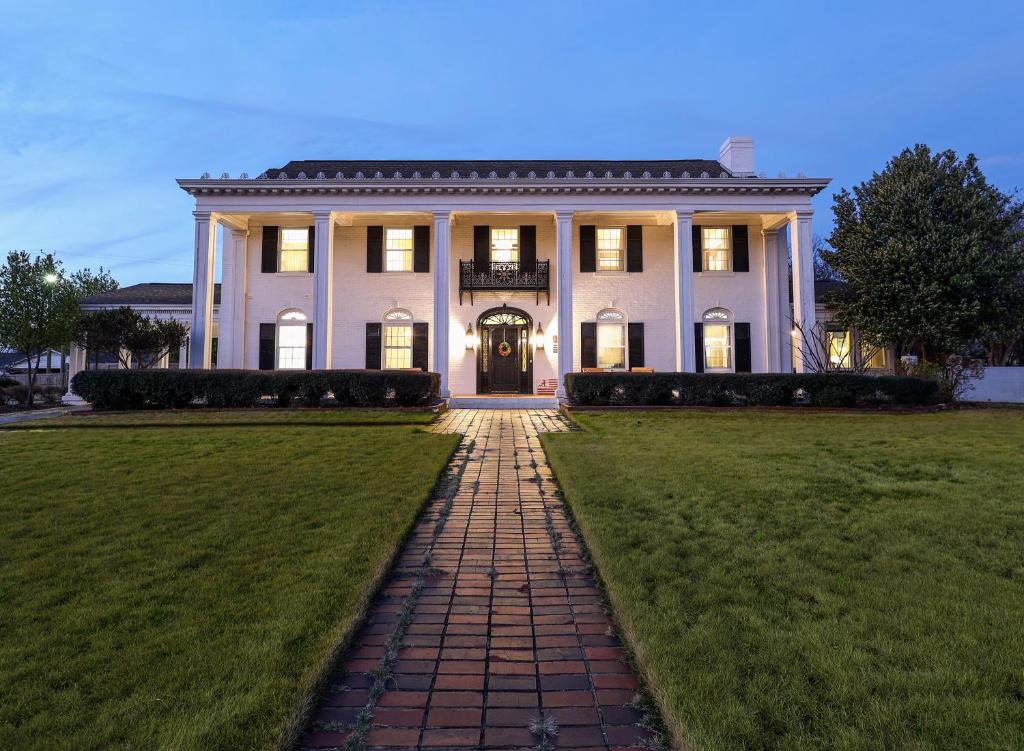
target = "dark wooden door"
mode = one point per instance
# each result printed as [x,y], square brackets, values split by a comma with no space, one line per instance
[505,359]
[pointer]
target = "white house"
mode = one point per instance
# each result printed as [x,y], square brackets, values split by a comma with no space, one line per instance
[502,276]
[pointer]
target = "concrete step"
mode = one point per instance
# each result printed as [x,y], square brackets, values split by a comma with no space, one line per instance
[483,401]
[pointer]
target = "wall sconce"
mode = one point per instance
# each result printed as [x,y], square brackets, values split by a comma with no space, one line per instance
[470,339]
[538,338]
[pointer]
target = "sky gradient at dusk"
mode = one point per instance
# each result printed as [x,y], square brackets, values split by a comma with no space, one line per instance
[101,109]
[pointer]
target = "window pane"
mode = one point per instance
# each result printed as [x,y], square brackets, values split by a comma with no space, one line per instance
[717,346]
[611,345]
[398,346]
[291,347]
[874,358]
[398,247]
[294,260]
[716,248]
[609,248]
[505,245]
[295,239]
[839,348]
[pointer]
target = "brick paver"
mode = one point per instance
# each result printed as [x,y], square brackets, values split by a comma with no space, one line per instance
[506,626]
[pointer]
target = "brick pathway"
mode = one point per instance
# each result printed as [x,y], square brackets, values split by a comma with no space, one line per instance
[498,624]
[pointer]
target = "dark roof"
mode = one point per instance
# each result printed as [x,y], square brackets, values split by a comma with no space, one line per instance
[501,168]
[827,288]
[149,293]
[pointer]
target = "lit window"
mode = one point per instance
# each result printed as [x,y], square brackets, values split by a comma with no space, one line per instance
[839,349]
[398,345]
[399,249]
[294,254]
[505,245]
[715,241]
[717,340]
[611,339]
[291,341]
[609,249]
[874,357]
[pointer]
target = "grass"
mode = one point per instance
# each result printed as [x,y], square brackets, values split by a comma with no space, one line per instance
[178,580]
[806,581]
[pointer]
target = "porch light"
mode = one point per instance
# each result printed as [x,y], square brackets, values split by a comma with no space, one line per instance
[538,338]
[470,339]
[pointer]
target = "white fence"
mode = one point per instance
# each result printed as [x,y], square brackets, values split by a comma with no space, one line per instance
[997,384]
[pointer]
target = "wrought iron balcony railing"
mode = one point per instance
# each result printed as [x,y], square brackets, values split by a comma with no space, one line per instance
[509,276]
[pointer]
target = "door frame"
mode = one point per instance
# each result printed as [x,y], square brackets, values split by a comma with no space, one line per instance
[525,325]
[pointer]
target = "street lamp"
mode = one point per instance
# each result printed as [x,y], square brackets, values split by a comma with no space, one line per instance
[50,278]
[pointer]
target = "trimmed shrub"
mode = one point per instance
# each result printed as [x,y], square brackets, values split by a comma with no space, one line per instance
[160,389]
[751,389]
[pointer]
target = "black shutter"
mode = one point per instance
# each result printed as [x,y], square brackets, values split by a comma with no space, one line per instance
[634,248]
[374,250]
[740,248]
[481,248]
[373,346]
[419,345]
[743,361]
[588,248]
[269,264]
[588,348]
[698,251]
[636,345]
[267,332]
[698,345]
[421,249]
[309,346]
[528,248]
[312,250]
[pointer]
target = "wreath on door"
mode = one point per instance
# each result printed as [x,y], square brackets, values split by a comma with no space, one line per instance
[504,349]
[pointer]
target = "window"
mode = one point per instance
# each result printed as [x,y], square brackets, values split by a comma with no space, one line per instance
[398,249]
[874,357]
[609,249]
[715,242]
[398,339]
[505,245]
[839,349]
[717,340]
[611,339]
[294,252]
[291,341]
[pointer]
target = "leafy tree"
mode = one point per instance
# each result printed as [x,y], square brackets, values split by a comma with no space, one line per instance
[930,250]
[38,308]
[129,336]
[87,283]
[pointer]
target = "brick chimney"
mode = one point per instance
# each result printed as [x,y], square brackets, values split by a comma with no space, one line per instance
[737,155]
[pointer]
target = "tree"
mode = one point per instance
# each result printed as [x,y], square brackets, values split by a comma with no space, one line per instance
[128,335]
[929,249]
[38,308]
[87,283]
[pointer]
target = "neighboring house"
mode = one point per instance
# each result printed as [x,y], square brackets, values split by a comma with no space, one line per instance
[846,349]
[48,367]
[502,276]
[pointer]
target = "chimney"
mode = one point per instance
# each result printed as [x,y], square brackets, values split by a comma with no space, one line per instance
[737,155]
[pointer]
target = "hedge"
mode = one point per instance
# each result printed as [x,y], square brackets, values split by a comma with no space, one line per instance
[159,389]
[750,389]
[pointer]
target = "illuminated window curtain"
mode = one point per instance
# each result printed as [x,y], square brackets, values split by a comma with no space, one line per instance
[294,255]
[398,345]
[609,249]
[505,245]
[715,242]
[839,349]
[398,249]
[611,345]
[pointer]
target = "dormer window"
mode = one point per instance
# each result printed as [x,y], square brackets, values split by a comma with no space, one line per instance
[504,245]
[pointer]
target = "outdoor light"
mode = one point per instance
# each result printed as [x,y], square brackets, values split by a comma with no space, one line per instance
[538,338]
[470,340]
[50,278]
[794,332]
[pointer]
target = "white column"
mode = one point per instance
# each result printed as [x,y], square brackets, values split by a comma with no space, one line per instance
[770,289]
[785,326]
[202,290]
[76,363]
[231,319]
[323,289]
[686,361]
[563,290]
[442,295]
[183,355]
[803,279]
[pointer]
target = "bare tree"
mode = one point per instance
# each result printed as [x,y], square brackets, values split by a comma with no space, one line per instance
[815,349]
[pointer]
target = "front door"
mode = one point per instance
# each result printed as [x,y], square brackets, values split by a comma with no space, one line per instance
[505,377]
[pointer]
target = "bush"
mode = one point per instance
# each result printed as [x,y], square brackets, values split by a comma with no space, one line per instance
[16,394]
[159,389]
[752,389]
[6,383]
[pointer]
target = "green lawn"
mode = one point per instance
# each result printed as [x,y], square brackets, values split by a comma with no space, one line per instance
[813,580]
[177,580]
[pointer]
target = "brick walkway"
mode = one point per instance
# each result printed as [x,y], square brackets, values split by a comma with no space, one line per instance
[498,624]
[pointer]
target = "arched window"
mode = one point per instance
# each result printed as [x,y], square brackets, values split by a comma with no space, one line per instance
[718,340]
[397,349]
[611,339]
[292,336]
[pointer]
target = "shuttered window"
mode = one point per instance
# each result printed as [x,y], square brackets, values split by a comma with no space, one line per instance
[717,335]
[504,245]
[715,243]
[291,341]
[398,249]
[611,340]
[610,249]
[398,345]
[293,255]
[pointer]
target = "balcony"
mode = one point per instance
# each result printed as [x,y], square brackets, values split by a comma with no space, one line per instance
[505,276]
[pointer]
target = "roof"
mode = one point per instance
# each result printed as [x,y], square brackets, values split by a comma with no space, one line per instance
[828,288]
[149,293]
[501,169]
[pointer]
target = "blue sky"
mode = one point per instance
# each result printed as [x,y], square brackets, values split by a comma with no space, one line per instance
[102,105]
